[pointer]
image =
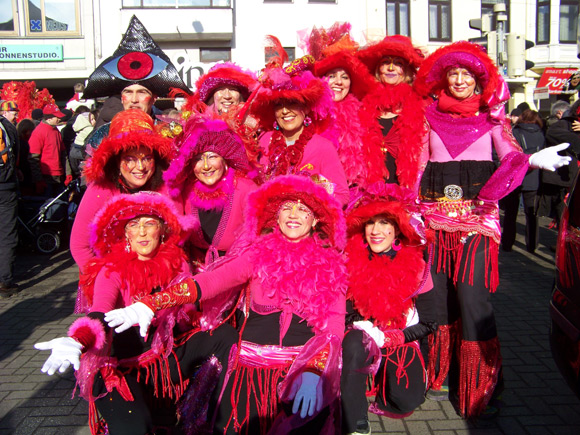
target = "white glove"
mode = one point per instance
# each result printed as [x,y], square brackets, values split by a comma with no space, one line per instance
[124,318]
[65,351]
[549,159]
[374,332]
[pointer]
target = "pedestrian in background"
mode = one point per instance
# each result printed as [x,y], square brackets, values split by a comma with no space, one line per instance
[8,197]
[528,131]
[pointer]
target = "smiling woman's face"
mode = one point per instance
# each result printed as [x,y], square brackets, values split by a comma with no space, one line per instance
[461,83]
[295,220]
[137,166]
[209,168]
[339,83]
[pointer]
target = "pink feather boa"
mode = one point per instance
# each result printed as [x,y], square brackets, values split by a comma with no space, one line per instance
[95,328]
[360,162]
[306,276]
[213,197]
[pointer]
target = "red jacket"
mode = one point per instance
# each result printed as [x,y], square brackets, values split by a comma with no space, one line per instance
[47,141]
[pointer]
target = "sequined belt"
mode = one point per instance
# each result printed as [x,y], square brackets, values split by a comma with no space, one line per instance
[267,356]
[469,215]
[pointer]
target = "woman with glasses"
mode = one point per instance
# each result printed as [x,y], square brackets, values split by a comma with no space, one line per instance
[128,376]
[130,159]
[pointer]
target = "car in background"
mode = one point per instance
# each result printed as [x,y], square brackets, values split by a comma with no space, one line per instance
[565,302]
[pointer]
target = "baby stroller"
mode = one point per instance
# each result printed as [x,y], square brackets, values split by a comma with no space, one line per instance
[45,222]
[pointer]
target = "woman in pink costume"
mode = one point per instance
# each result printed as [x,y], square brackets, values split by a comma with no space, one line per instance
[209,177]
[288,366]
[392,112]
[130,159]
[297,105]
[120,373]
[459,190]
[349,80]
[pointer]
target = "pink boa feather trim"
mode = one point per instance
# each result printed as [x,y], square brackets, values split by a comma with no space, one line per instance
[305,276]
[95,326]
[362,163]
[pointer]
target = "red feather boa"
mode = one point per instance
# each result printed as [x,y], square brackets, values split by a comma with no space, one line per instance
[410,126]
[306,276]
[140,277]
[380,288]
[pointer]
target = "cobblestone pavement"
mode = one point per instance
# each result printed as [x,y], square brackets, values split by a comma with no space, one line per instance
[537,401]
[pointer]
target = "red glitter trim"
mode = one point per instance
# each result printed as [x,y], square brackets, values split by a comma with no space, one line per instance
[480,363]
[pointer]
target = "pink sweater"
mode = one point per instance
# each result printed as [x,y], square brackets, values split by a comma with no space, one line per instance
[480,150]
[320,157]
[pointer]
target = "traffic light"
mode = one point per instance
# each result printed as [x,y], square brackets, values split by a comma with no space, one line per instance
[516,48]
[488,40]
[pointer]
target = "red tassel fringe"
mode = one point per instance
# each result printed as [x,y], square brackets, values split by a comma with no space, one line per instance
[441,345]
[261,389]
[480,363]
[450,252]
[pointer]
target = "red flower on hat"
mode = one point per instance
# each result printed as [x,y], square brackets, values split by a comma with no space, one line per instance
[135,65]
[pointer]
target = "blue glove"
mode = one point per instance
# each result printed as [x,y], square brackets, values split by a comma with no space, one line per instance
[308,395]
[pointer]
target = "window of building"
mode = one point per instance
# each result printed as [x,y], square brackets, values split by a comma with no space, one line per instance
[209,55]
[568,21]
[543,22]
[176,3]
[440,20]
[398,17]
[487,9]
[52,17]
[268,53]
[7,16]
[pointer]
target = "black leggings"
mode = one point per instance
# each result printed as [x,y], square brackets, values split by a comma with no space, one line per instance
[136,417]
[400,395]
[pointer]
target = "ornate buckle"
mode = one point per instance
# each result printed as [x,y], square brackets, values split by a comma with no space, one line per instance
[453,192]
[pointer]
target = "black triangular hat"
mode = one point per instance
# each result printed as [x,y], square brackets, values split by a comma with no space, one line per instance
[137,60]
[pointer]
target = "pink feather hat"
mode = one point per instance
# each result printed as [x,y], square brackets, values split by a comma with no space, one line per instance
[264,204]
[201,135]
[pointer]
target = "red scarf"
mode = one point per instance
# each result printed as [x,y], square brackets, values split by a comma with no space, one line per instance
[140,277]
[459,108]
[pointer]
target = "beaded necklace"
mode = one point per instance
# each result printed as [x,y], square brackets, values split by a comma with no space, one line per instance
[283,159]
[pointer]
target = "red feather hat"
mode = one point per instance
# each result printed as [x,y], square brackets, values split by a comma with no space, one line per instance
[334,48]
[397,45]
[294,83]
[108,228]
[388,200]
[225,74]
[432,75]
[129,129]
[264,204]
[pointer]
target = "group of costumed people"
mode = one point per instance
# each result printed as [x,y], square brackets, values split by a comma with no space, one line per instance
[312,232]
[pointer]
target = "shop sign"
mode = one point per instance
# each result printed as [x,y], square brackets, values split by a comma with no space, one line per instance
[31,53]
[558,80]
[542,93]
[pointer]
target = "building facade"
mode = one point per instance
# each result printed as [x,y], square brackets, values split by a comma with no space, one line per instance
[59,42]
